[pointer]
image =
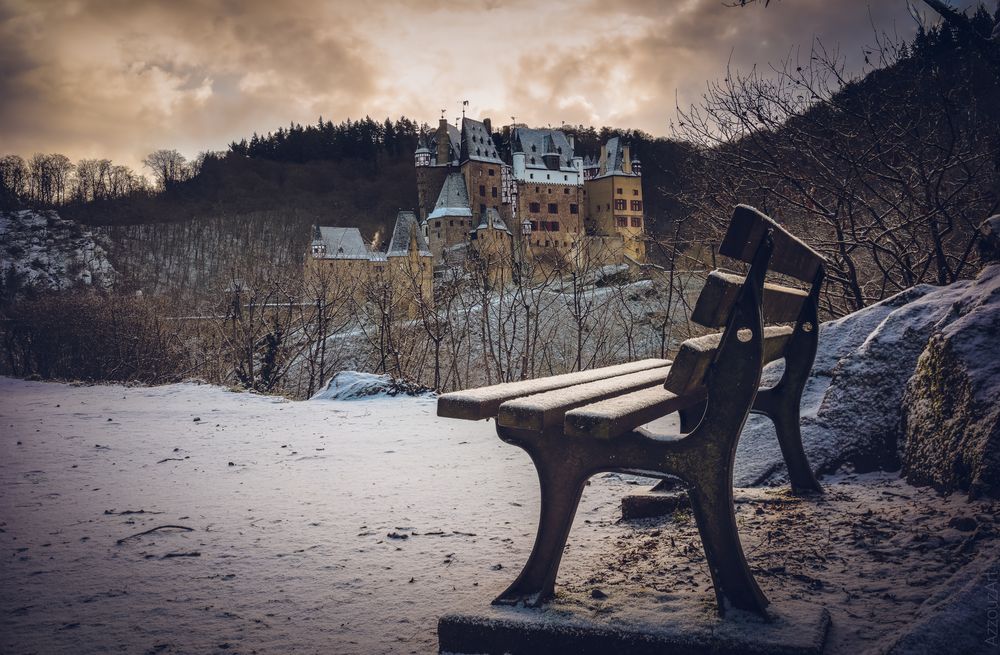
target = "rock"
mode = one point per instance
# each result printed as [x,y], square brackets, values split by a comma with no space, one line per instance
[951,408]
[988,243]
[352,385]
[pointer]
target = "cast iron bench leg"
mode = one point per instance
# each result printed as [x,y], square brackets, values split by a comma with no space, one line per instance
[561,486]
[712,505]
[781,402]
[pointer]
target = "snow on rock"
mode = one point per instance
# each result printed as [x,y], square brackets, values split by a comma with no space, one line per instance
[352,385]
[41,250]
[951,409]
[853,405]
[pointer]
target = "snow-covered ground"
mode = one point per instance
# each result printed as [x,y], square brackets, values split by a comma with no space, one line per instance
[320,526]
[341,526]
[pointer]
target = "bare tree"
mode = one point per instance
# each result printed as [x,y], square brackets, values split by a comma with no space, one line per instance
[167,166]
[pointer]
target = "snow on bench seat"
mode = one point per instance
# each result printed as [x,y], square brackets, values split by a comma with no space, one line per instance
[696,355]
[484,402]
[544,410]
[615,416]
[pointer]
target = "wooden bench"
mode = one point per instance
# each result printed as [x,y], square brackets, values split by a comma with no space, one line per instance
[579,424]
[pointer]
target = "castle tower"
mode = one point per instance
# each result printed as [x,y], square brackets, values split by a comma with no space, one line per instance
[447,226]
[410,263]
[613,189]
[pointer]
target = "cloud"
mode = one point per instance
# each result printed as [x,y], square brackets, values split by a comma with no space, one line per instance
[120,78]
[124,78]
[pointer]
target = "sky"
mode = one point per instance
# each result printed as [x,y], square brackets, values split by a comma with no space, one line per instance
[121,78]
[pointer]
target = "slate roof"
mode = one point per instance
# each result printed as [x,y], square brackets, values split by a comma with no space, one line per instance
[454,144]
[477,144]
[453,199]
[535,143]
[399,245]
[341,243]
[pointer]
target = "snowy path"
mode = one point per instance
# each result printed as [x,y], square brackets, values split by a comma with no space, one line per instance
[291,539]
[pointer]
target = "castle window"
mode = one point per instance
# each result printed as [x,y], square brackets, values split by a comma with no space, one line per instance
[636,221]
[635,192]
[534,226]
[621,221]
[451,223]
[619,203]
[565,178]
[482,190]
[494,192]
[548,177]
[532,160]
[537,189]
[534,207]
[554,226]
[532,175]
[553,208]
[532,150]
[437,223]
[492,172]
[618,191]
[482,209]
[548,190]
[566,191]
[574,209]
[636,205]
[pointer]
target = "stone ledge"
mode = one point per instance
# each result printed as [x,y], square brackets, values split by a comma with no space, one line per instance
[795,628]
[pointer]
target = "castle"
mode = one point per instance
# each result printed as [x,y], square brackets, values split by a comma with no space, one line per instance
[547,202]
[546,205]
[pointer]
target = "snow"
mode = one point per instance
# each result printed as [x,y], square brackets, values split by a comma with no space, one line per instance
[351,526]
[352,385]
[294,552]
[41,250]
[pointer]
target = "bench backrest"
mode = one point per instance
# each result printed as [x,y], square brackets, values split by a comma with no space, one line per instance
[779,304]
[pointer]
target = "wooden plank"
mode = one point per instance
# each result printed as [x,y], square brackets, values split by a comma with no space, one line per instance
[790,256]
[688,371]
[547,409]
[781,304]
[484,402]
[610,418]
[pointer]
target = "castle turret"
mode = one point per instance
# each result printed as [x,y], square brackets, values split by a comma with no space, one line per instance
[422,156]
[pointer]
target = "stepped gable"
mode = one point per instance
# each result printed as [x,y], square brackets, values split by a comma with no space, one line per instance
[536,143]
[614,161]
[341,243]
[405,230]
[477,143]
[492,219]
[453,199]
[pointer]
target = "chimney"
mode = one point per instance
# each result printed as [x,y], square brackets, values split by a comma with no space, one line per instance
[572,142]
[489,125]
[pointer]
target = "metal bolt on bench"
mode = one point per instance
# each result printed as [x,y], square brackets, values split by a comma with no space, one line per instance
[576,425]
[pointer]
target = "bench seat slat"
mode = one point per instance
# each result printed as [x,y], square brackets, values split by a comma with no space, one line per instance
[781,304]
[484,402]
[544,410]
[616,416]
[790,256]
[695,356]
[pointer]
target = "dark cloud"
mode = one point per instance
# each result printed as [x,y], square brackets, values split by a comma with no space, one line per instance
[119,78]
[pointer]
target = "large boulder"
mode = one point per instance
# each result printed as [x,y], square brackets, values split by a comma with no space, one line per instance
[951,408]
[911,381]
